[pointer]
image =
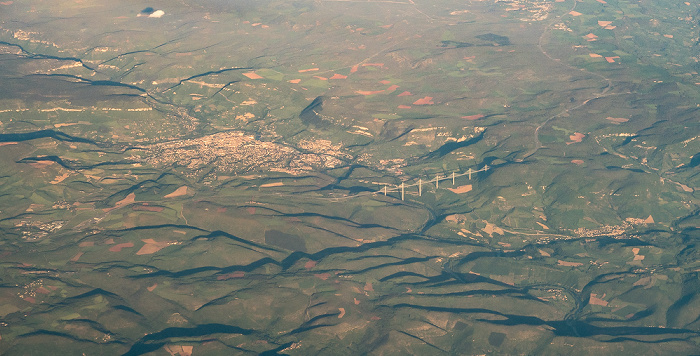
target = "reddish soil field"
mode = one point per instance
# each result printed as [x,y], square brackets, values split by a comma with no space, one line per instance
[576,137]
[77,257]
[428,100]
[322,276]
[237,274]
[252,75]
[119,247]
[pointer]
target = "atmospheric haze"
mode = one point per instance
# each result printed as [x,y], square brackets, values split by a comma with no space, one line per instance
[349,177]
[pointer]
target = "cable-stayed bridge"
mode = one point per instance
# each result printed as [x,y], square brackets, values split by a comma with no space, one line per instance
[403,187]
[388,188]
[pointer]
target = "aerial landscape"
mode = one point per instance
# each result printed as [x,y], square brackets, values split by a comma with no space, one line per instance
[349,177]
